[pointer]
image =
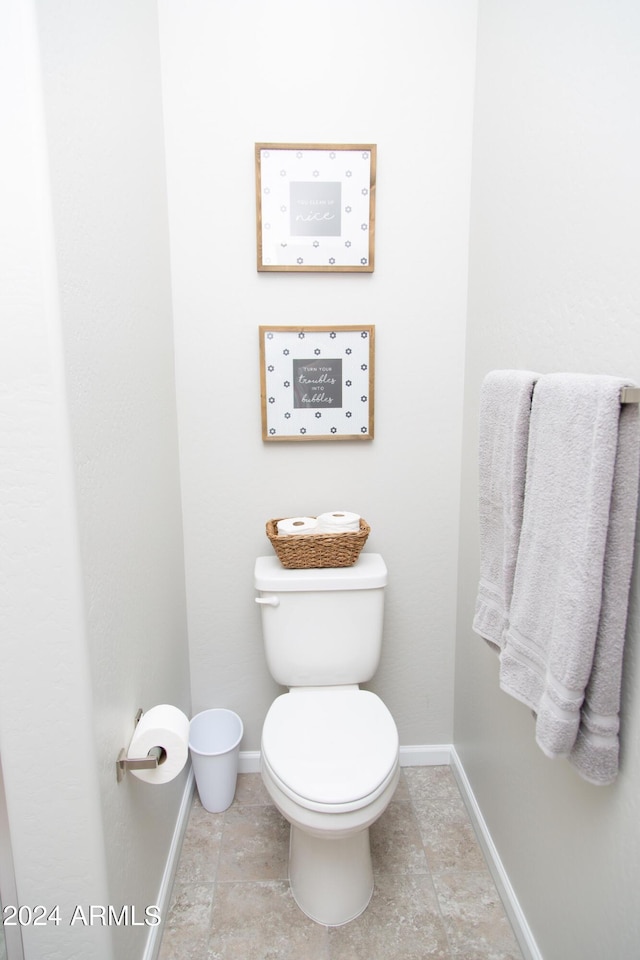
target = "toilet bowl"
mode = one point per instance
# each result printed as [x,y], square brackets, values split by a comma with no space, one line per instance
[330,762]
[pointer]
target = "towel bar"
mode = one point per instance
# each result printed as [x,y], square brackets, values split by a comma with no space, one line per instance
[630,395]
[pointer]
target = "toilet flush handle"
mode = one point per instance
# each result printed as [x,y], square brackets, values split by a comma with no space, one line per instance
[270,601]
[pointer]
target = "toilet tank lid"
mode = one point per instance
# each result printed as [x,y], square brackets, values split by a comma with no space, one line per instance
[368,572]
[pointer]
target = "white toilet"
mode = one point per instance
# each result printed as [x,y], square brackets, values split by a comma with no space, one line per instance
[330,751]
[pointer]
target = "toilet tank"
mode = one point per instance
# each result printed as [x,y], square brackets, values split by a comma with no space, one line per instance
[322,626]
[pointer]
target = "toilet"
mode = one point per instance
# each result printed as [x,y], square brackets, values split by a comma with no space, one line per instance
[330,750]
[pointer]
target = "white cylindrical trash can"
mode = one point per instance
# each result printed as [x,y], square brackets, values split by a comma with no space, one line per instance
[214,745]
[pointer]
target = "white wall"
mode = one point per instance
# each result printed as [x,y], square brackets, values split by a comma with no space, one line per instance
[399,75]
[554,285]
[46,738]
[93,588]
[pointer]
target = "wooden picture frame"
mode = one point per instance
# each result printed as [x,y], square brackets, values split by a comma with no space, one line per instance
[315,207]
[317,383]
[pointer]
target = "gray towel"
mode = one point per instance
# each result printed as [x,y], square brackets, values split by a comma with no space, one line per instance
[563,649]
[505,405]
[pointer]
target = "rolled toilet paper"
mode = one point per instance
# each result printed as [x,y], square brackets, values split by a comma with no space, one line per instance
[163,726]
[297,525]
[339,521]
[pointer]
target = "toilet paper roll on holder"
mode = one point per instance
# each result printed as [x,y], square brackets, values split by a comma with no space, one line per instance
[153,759]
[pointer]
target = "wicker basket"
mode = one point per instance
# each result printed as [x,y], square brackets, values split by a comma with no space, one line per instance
[299,550]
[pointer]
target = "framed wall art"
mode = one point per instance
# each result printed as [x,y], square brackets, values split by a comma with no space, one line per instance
[317,383]
[315,207]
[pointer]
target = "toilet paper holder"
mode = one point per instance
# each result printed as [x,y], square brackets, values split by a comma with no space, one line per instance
[153,759]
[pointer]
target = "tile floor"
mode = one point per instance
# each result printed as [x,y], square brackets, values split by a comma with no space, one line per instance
[434,896]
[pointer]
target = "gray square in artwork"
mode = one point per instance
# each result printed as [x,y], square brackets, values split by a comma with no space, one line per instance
[315,208]
[317,383]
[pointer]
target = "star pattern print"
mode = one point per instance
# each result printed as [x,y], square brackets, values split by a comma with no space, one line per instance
[315,207]
[317,405]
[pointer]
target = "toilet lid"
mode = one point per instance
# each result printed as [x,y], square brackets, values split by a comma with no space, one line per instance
[330,745]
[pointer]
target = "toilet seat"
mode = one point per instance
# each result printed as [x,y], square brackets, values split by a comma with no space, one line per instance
[330,748]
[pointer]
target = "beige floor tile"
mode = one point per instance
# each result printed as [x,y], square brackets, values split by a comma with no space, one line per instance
[449,839]
[476,923]
[255,844]
[251,789]
[431,782]
[201,846]
[183,943]
[434,896]
[402,921]
[261,921]
[187,927]
[396,844]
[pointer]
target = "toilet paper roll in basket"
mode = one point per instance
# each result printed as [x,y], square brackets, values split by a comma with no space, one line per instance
[162,726]
[339,521]
[297,525]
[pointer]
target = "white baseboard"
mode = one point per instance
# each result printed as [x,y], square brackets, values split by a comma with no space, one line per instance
[428,755]
[249,761]
[152,946]
[416,756]
[507,894]
[420,755]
